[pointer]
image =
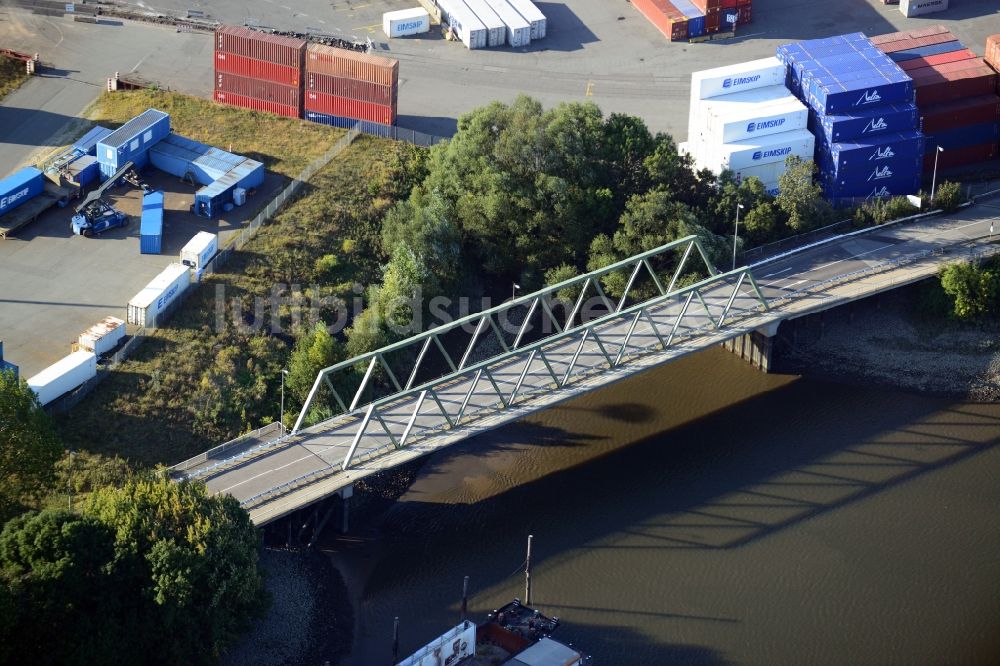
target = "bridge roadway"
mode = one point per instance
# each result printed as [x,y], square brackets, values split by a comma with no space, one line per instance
[299,470]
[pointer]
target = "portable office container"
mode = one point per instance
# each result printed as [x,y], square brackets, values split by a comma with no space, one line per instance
[146,306]
[496,31]
[406,22]
[63,376]
[258,89]
[883,119]
[460,18]
[151,224]
[968,111]
[87,144]
[921,7]
[762,150]
[517,30]
[772,119]
[248,43]
[255,104]
[352,108]
[231,63]
[103,336]
[896,150]
[131,142]
[20,187]
[199,250]
[530,13]
[351,89]
[83,171]
[321,59]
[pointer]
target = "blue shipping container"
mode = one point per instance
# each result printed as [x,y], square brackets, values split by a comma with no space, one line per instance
[884,119]
[375,129]
[963,137]
[83,170]
[184,158]
[696,26]
[20,187]
[131,142]
[921,51]
[151,226]
[856,94]
[87,145]
[852,196]
[894,149]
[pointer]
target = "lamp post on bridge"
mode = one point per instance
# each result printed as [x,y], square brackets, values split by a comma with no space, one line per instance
[934,177]
[514,288]
[281,417]
[736,234]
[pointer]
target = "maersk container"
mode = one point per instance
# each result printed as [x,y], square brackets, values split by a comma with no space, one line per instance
[469,29]
[761,150]
[530,13]
[87,144]
[151,225]
[63,376]
[146,306]
[737,78]
[496,31]
[517,30]
[911,8]
[893,149]
[199,250]
[406,22]
[19,188]
[771,119]
[103,336]
[883,119]
[131,142]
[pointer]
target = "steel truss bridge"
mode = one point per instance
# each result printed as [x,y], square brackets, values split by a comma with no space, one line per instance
[486,369]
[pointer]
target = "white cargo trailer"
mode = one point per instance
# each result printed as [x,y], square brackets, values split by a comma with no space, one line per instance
[200,250]
[103,336]
[146,306]
[467,27]
[761,150]
[766,119]
[530,13]
[406,22]
[921,7]
[496,30]
[518,29]
[64,376]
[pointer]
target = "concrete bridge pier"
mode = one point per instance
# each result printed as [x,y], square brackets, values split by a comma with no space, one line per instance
[755,346]
[345,495]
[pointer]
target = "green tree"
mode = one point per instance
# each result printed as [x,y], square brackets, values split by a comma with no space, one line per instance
[29,446]
[421,223]
[312,352]
[974,290]
[799,197]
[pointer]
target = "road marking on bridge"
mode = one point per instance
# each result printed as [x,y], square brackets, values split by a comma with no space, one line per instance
[853,256]
[298,460]
[778,272]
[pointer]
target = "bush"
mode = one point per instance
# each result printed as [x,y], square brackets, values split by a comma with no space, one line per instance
[880,211]
[973,289]
[948,196]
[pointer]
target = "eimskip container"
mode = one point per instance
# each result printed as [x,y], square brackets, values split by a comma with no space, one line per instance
[496,31]
[766,173]
[469,29]
[406,22]
[786,116]
[131,142]
[737,78]
[151,224]
[63,376]
[883,119]
[530,13]
[763,150]
[199,250]
[148,304]
[103,336]
[517,28]
[20,187]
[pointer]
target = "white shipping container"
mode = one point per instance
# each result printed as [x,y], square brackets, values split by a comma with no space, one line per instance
[518,29]
[460,18]
[534,16]
[64,376]
[921,7]
[761,150]
[158,294]
[747,99]
[406,22]
[496,30]
[760,121]
[772,188]
[767,173]
[737,78]
[200,250]
[103,336]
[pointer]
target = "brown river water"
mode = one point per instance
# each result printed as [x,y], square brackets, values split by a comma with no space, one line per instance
[707,513]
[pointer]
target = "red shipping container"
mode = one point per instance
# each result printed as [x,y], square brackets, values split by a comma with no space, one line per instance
[332,61]
[257,69]
[914,42]
[257,104]
[960,113]
[960,156]
[712,20]
[707,5]
[260,46]
[664,18]
[934,72]
[745,9]
[936,59]
[992,56]
[896,36]
[263,90]
[334,105]
[352,89]
[728,4]
[955,85]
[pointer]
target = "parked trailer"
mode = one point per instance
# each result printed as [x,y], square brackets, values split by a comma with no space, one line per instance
[199,250]
[406,22]
[535,18]
[63,376]
[518,29]
[146,306]
[469,29]
[103,336]
[496,29]
[19,188]
[29,212]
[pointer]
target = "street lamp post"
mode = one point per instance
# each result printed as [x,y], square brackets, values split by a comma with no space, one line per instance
[513,290]
[736,234]
[934,177]
[281,417]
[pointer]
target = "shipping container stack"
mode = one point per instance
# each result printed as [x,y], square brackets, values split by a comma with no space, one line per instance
[861,111]
[681,20]
[956,95]
[259,71]
[343,87]
[743,119]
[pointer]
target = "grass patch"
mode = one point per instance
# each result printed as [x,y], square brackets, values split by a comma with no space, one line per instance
[12,75]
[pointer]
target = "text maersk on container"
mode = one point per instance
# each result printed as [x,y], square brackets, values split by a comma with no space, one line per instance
[767,124]
[777,152]
[740,81]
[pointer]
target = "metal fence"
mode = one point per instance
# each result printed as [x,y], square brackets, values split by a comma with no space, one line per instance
[761,252]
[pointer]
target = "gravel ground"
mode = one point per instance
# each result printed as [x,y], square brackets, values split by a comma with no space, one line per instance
[888,341]
[310,620]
